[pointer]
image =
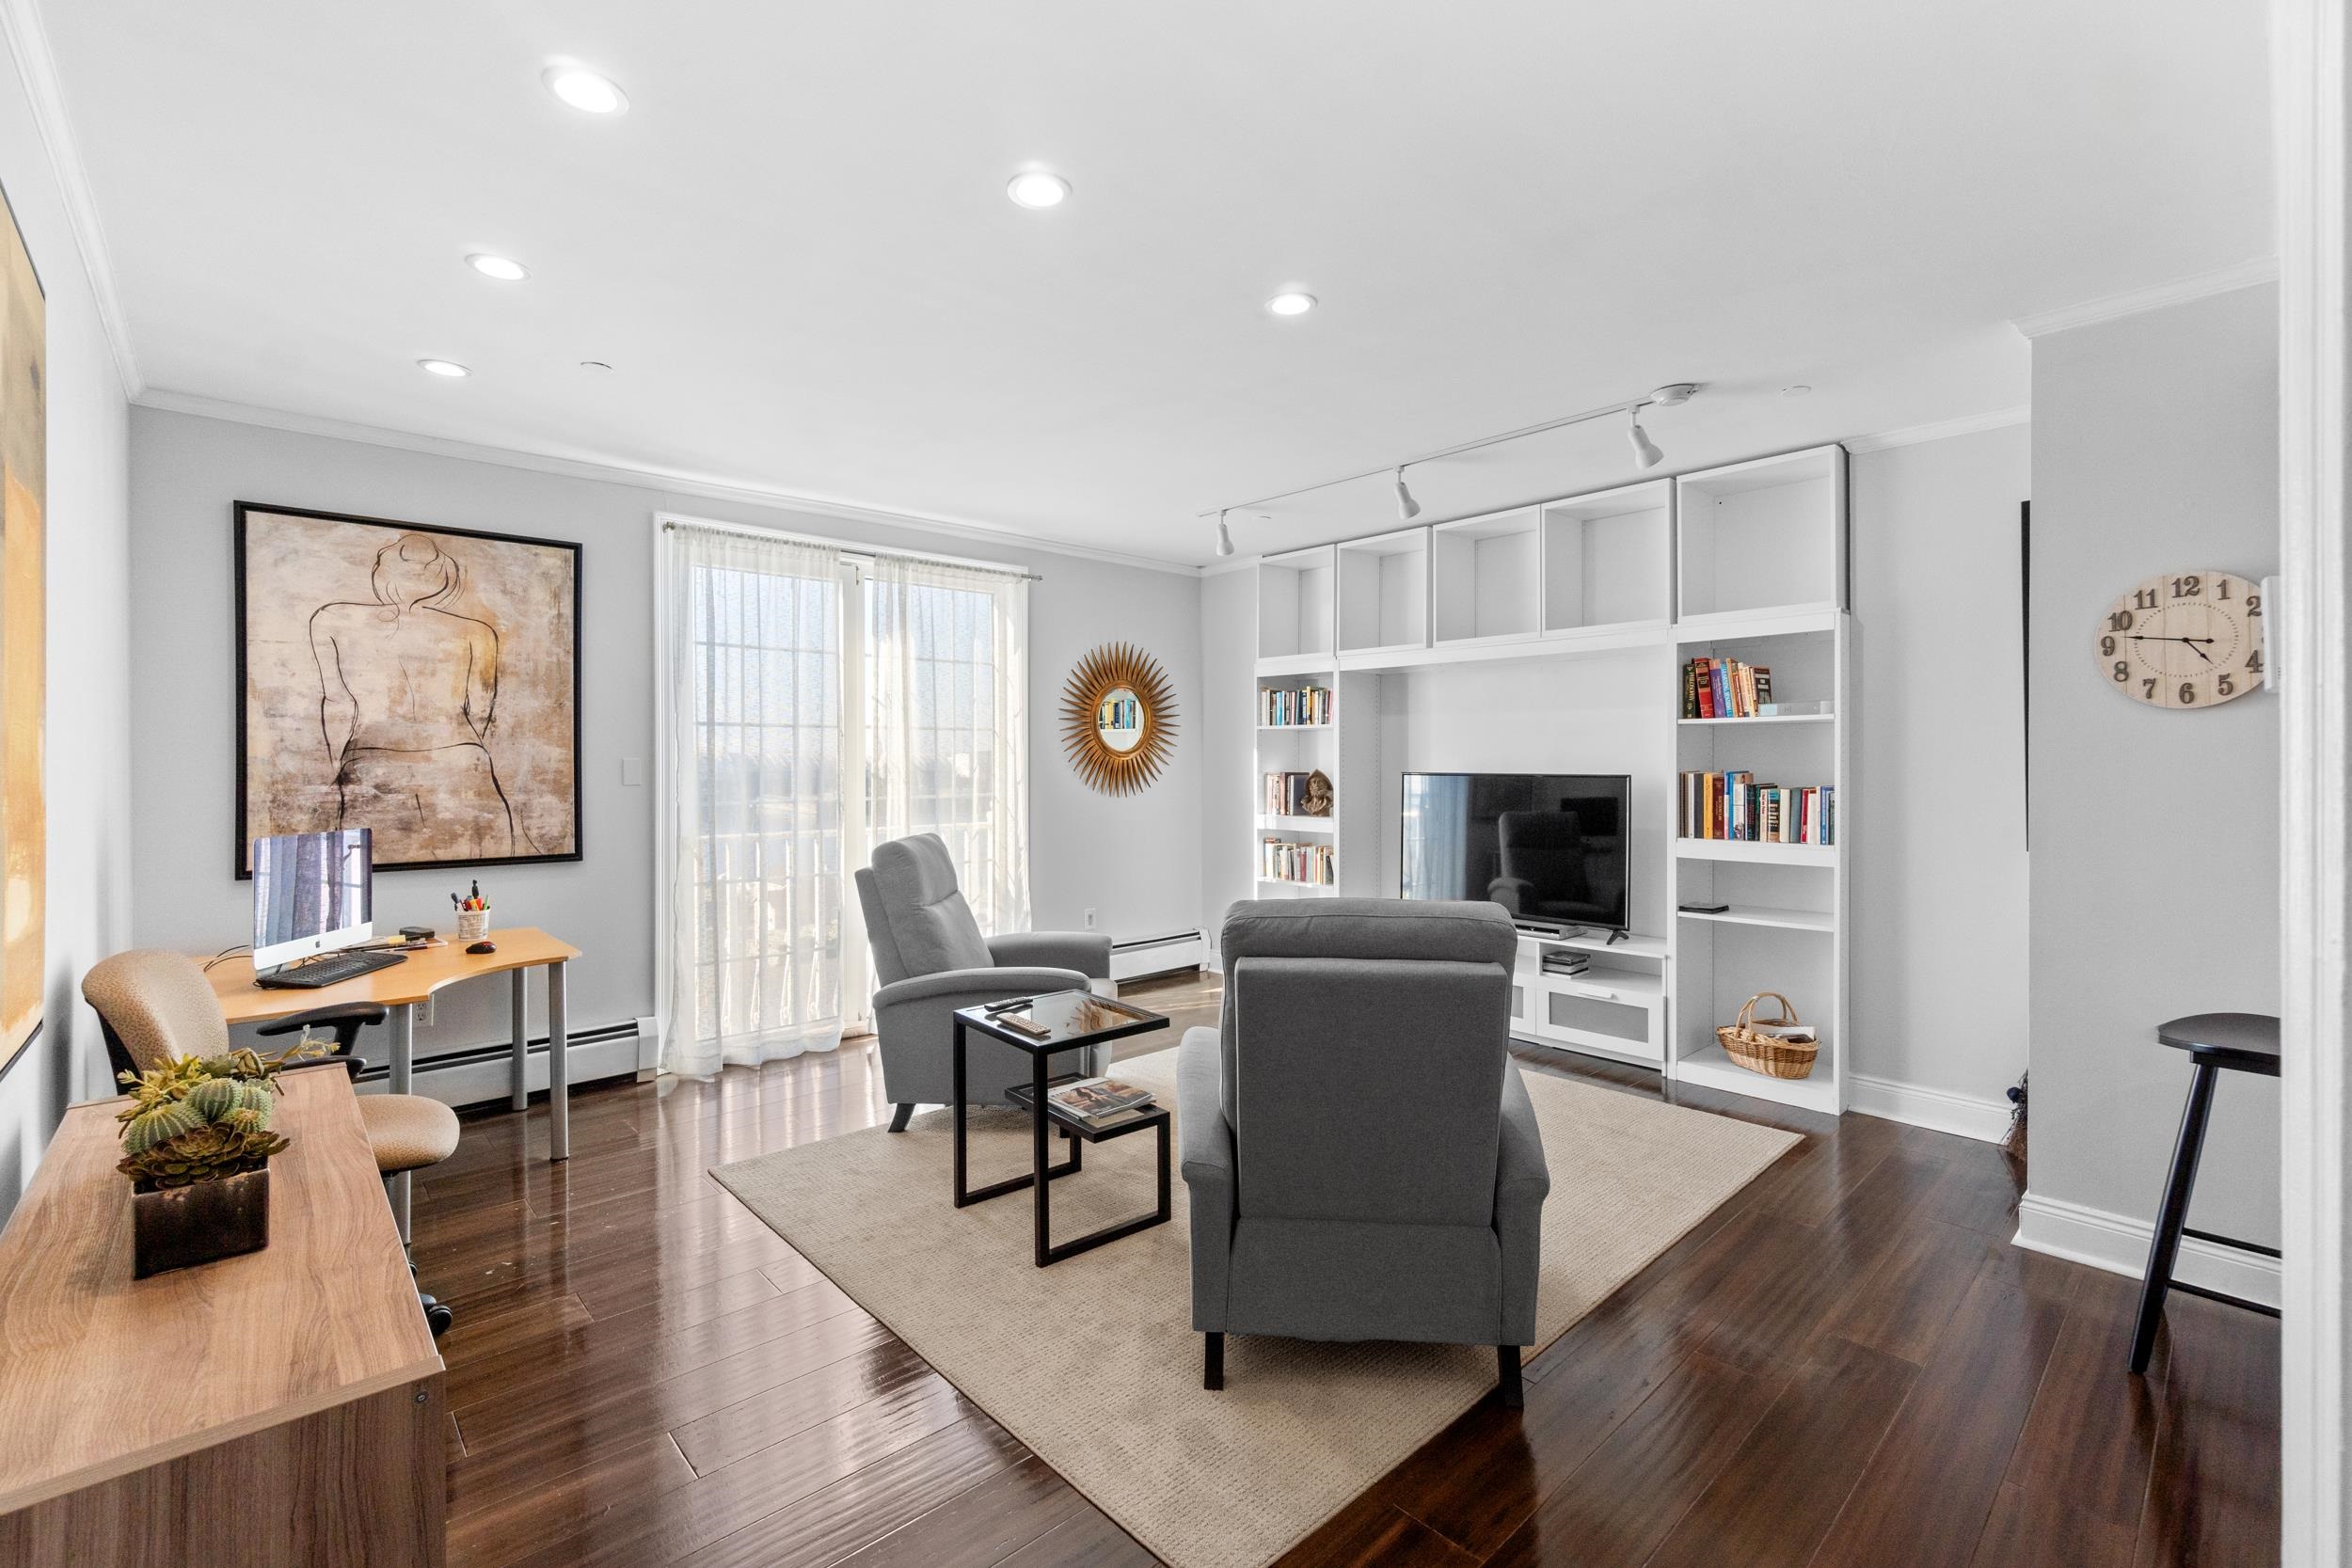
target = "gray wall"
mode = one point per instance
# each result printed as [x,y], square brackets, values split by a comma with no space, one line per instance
[1938,868]
[1228,662]
[87,743]
[2156,834]
[1130,859]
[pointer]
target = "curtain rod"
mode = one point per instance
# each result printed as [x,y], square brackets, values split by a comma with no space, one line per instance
[1664,397]
[749,530]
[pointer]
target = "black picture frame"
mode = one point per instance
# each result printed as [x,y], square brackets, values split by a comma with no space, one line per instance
[240,843]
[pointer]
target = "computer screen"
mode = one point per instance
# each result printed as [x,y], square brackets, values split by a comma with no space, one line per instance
[311,894]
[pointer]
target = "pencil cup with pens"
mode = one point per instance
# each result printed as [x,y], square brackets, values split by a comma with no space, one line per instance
[473,915]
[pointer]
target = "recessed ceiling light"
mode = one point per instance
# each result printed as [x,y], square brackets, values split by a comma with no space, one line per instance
[584,90]
[449,368]
[1794,391]
[1291,303]
[500,267]
[1036,188]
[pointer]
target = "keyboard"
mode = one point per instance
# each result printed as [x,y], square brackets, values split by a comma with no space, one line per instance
[332,970]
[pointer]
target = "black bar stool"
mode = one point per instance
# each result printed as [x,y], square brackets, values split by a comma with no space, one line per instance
[2242,1042]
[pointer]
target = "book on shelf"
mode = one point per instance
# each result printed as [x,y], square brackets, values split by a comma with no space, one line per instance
[1729,689]
[1736,806]
[1567,963]
[1281,862]
[1097,1100]
[1305,705]
[1292,794]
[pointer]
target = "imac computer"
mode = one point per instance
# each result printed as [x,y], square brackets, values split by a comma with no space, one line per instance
[311,895]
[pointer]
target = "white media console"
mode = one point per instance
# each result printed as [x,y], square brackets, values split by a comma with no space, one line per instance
[1552,638]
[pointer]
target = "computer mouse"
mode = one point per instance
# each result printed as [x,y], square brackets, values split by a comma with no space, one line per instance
[484,946]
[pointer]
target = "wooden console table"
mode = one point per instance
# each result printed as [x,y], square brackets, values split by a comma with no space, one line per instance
[283,1409]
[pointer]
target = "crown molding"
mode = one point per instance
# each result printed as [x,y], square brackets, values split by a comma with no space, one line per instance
[1967,424]
[37,68]
[2245,274]
[638,476]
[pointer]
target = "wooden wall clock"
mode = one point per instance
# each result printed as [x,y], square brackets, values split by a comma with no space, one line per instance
[2184,640]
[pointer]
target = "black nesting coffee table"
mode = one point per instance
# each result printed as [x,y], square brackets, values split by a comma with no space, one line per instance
[1071,1019]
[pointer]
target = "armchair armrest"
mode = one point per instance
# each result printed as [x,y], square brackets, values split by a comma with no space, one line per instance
[1210,1181]
[1088,952]
[1522,1181]
[343,1019]
[951,989]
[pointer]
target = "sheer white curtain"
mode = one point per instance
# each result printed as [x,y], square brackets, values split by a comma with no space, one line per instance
[759,808]
[948,723]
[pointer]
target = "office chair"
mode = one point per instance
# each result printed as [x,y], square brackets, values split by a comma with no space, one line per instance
[153,1005]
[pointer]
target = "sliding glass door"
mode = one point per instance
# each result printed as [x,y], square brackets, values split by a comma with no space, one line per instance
[819,702]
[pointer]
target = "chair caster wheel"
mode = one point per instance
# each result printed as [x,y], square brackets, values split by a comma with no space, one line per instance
[437,1317]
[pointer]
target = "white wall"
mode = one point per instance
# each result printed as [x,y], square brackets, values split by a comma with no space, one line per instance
[1131,858]
[2156,834]
[1937,875]
[87,751]
[1228,661]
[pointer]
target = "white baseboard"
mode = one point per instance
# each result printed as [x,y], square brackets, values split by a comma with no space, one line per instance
[1142,956]
[2118,1245]
[1963,1115]
[487,1076]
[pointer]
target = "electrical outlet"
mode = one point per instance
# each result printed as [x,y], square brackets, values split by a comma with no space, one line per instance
[424,1015]
[1089,920]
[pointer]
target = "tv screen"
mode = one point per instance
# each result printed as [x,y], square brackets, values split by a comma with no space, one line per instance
[1551,848]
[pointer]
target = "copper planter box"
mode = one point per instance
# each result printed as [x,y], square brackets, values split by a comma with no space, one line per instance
[176,1228]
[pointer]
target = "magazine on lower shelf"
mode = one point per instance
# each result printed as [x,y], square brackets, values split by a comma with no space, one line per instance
[1094,1103]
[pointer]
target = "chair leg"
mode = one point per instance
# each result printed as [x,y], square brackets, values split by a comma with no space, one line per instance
[1507,1384]
[1212,1360]
[899,1117]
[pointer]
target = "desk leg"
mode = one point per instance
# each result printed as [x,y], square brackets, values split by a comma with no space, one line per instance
[518,1092]
[404,1022]
[559,1069]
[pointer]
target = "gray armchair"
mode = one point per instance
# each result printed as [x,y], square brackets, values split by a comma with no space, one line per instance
[931,960]
[1362,1158]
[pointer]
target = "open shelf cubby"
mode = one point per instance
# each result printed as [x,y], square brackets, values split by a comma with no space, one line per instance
[1484,583]
[1384,592]
[1609,559]
[1295,604]
[1766,535]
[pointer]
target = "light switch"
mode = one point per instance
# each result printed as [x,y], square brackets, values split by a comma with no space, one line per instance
[634,772]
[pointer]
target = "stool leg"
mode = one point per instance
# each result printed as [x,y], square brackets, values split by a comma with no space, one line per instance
[2164,1248]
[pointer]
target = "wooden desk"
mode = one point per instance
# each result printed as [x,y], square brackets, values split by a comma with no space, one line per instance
[280,1408]
[403,986]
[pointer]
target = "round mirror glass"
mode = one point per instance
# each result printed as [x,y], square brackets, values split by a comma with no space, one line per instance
[1119,719]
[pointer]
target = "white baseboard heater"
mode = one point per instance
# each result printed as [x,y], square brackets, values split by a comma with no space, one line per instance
[1139,957]
[482,1074]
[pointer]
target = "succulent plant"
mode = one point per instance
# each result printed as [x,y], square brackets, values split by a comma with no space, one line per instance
[213,1151]
[199,1119]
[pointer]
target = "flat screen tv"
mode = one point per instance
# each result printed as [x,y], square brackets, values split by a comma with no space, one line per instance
[1551,848]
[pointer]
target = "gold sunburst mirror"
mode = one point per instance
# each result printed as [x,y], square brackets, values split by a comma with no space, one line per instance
[1118,719]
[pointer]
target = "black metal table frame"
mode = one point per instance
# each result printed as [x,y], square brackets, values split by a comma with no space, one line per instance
[1042,1172]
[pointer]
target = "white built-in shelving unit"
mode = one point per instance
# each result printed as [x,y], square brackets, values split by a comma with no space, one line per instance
[1746,561]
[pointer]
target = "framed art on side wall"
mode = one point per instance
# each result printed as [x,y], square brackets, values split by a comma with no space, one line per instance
[420,682]
[23,619]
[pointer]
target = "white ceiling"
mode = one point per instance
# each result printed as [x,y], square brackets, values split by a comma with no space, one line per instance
[796,248]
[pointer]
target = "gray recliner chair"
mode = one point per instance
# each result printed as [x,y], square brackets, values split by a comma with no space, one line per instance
[930,958]
[1362,1158]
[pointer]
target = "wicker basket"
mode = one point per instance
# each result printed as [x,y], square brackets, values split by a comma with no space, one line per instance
[1769,1054]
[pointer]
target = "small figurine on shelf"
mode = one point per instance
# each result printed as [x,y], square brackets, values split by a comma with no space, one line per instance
[1318,800]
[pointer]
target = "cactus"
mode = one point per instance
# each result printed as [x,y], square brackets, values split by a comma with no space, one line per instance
[160,1123]
[201,1119]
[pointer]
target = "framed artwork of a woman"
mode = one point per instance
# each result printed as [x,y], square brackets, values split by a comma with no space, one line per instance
[420,682]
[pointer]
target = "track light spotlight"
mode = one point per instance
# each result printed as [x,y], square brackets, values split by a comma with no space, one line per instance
[1646,452]
[1406,507]
[1224,536]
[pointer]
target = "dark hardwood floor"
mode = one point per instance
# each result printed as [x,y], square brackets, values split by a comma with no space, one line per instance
[1847,1367]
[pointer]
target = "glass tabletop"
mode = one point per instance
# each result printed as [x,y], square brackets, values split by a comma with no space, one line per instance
[1059,1018]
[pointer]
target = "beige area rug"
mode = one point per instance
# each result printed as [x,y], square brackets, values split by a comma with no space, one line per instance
[1093,1362]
